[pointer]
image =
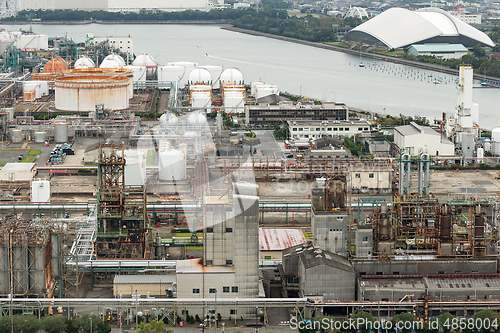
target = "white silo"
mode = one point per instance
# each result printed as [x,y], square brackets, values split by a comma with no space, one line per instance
[40,136]
[495,137]
[266,90]
[172,74]
[61,132]
[135,167]
[215,71]
[253,87]
[16,135]
[480,155]
[172,165]
[234,101]
[199,76]
[487,144]
[201,100]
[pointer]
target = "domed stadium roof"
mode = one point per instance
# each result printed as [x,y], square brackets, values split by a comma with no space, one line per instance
[397,27]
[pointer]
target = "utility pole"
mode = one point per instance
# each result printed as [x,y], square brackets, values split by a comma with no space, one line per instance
[11,283]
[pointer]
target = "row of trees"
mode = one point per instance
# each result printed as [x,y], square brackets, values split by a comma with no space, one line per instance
[277,22]
[53,324]
[101,15]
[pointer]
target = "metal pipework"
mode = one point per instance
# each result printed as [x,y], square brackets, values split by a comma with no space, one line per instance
[404,174]
[423,174]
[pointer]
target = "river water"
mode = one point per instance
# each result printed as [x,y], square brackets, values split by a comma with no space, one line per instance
[298,69]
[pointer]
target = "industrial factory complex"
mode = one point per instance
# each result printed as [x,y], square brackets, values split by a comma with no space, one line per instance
[167,191]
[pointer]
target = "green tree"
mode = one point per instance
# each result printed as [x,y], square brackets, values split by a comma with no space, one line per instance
[53,324]
[368,318]
[445,318]
[479,51]
[153,327]
[404,318]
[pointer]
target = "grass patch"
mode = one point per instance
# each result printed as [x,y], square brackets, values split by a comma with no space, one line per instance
[2,164]
[150,157]
[35,152]
[339,44]
[194,248]
[28,160]
[388,53]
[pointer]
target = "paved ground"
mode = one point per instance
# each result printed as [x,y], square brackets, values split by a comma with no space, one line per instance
[268,145]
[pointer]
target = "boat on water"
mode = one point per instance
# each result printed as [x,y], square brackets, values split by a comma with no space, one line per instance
[436,81]
[361,64]
[484,84]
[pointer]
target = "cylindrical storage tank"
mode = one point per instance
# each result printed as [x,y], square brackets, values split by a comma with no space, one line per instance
[495,135]
[139,73]
[146,61]
[172,74]
[232,75]
[215,71]
[480,155]
[135,167]
[61,132]
[16,135]
[253,87]
[200,76]
[487,144]
[40,137]
[172,165]
[40,190]
[188,67]
[84,92]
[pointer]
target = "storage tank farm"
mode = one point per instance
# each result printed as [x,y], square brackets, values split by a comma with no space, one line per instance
[495,137]
[233,90]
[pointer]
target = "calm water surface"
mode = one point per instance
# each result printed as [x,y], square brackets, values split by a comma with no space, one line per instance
[295,68]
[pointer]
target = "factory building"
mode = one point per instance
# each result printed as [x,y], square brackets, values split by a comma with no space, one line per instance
[320,128]
[17,172]
[432,286]
[329,214]
[122,43]
[422,139]
[272,242]
[229,267]
[371,179]
[440,51]
[310,272]
[287,111]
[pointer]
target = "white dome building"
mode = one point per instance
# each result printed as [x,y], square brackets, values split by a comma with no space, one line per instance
[146,61]
[84,62]
[232,75]
[200,76]
[398,27]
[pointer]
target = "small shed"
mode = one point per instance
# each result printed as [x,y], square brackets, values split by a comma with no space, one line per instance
[17,172]
[440,51]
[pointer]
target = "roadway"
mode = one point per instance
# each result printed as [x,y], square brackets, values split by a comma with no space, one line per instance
[268,145]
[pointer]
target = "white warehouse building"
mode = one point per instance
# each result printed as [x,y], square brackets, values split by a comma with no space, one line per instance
[319,128]
[422,138]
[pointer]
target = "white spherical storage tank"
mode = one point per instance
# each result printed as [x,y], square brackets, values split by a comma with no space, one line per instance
[84,62]
[135,167]
[172,165]
[232,75]
[168,120]
[199,76]
[110,63]
[197,119]
[215,71]
[146,61]
[480,155]
[40,190]
[115,57]
[84,92]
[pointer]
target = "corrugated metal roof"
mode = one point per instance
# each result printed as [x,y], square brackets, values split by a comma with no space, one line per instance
[439,47]
[18,166]
[144,279]
[280,239]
